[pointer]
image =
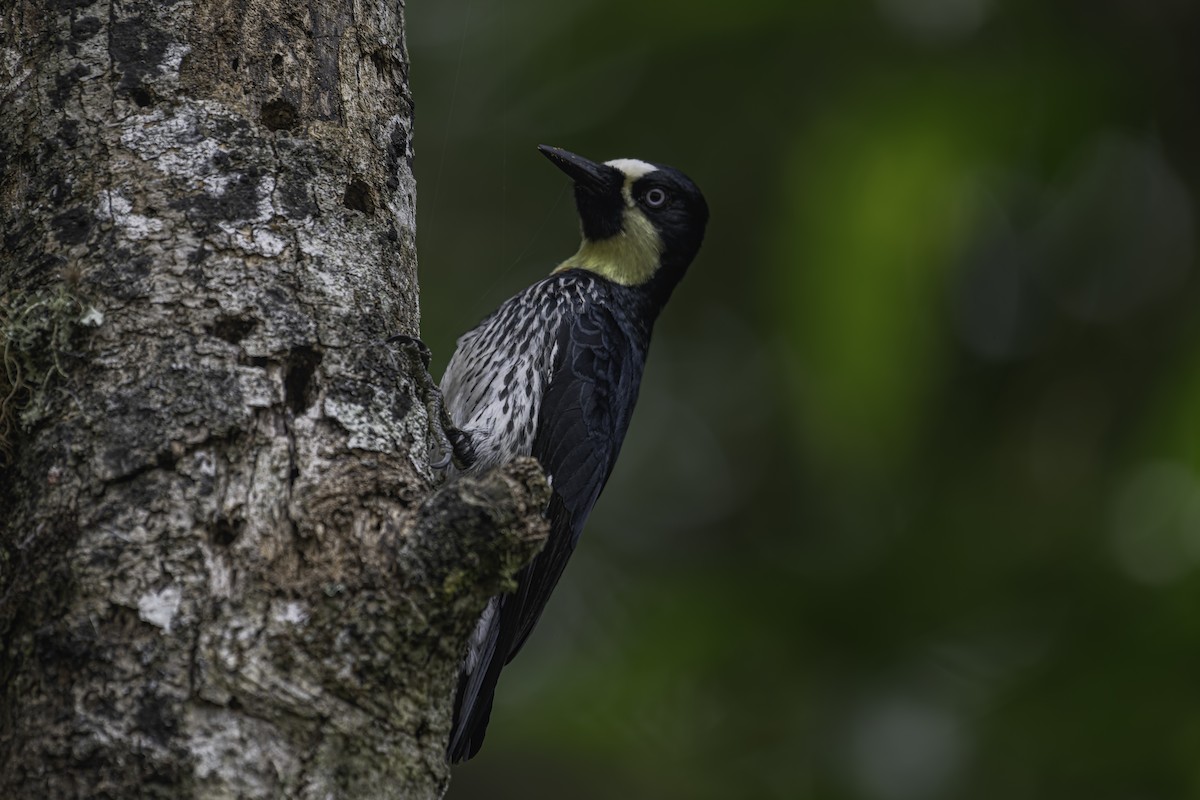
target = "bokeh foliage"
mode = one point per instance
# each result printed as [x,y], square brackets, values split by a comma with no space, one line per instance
[911,504]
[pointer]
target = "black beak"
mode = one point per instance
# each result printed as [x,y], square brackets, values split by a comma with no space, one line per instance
[588,175]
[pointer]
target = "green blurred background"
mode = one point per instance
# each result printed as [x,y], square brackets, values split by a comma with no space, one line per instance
[910,507]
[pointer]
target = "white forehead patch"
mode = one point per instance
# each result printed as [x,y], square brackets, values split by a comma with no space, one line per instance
[632,168]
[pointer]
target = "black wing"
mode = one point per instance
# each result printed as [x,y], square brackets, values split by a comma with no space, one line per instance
[581,424]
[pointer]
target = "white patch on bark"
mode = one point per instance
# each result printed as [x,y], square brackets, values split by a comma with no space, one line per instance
[159,608]
[292,613]
[220,574]
[366,431]
[174,146]
[405,212]
[12,60]
[206,464]
[173,59]
[254,240]
[239,753]
[112,206]
[259,390]
[171,144]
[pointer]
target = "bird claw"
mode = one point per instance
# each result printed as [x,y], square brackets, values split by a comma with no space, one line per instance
[463,447]
[455,444]
[412,342]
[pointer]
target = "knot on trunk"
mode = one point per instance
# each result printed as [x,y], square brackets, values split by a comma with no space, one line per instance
[473,535]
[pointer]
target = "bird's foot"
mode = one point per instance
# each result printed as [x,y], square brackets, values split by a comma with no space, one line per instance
[454,444]
[462,446]
[416,346]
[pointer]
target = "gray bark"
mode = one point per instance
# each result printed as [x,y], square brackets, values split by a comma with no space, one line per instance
[225,570]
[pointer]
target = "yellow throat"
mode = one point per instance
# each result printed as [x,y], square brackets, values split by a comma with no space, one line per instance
[629,258]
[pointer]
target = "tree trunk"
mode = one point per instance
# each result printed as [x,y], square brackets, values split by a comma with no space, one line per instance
[224,568]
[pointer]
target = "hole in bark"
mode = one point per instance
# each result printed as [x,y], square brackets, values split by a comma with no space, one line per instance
[155,718]
[279,114]
[359,197]
[234,64]
[380,59]
[142,96]
[232,329]
[276,61]
[85,28]
[297,382]
[226,532]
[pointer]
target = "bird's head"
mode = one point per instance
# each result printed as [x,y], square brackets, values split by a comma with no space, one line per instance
[642,223]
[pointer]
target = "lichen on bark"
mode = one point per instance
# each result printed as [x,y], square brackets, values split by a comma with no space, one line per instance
[225,568]
[37,336]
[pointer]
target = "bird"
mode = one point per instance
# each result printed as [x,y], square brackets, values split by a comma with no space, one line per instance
[554,373]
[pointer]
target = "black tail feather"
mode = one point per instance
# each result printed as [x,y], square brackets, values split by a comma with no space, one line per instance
[467,735]
[477,684]
[502,634]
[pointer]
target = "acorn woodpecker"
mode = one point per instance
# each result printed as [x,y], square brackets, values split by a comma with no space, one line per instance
[554,373]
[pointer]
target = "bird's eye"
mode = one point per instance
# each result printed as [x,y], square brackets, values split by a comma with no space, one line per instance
[656,198]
